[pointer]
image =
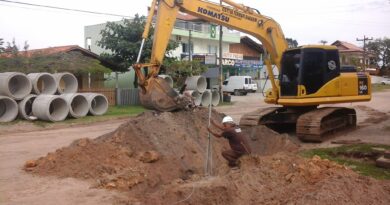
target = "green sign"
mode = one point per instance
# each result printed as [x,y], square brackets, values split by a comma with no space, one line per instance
[213,31]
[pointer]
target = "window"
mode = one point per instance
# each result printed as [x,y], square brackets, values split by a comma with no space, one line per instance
[290,72]
[185,48]
[313,66]
[225,82]
[212,49]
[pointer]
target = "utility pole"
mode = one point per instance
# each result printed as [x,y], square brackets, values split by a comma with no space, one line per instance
[189,44]
[364,49]
[220,60]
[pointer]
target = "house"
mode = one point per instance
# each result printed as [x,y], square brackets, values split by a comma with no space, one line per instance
[85,65]
[252,52]
[351,54]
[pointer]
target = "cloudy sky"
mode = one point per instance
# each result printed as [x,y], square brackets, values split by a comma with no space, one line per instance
[307,21]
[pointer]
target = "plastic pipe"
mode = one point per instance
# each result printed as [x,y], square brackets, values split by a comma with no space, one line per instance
[78,104]
[50,108]
[25,107]
[43,83]
[206,97]
[195,95]
[8,109]
[197,83]
[14,85]
[167,79]
[215,97]
[66,83]
[98,103]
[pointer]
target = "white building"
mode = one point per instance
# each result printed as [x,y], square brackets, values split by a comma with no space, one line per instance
[202,40]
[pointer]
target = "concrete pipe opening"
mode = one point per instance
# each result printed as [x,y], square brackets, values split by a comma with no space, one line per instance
[215,97]
[206,98]
[50,108]
[43,83]
[98,103]
[25,107]
[15,85]
[197,83]
[8,109]
[66,83]
[196,96]
[78,104]
[167,79]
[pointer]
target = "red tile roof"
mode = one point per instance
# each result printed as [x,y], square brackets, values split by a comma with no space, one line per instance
[347,47]
[52,50]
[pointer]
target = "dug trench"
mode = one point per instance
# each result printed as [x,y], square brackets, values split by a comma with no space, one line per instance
[158,158]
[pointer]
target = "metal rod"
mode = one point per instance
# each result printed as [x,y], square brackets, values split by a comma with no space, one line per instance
[140,50]
[209,163]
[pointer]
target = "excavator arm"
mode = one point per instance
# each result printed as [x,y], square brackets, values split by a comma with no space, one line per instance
[234,16]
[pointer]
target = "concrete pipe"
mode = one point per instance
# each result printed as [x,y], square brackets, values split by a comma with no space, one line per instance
[195,95]
[66,83]
[98,103]
[78,104]
[8,109]
[43,83]
[215,97]
[25,107]
[197,83]
[50,108]
[14,85]
[206,98]
[167,79]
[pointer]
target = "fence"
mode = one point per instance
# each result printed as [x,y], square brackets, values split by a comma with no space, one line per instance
[108,92]
[127,96]
[122,96]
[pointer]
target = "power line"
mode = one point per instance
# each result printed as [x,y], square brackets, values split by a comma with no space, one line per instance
[65,9]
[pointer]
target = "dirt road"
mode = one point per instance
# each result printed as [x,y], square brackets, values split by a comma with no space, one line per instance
[17,187]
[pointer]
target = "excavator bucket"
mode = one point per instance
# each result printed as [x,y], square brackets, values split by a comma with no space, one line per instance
[158,95]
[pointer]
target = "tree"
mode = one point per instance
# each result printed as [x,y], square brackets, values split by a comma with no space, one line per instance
[124,41]
[2,49]
[292,43]
[381,50]
[12,47]
[323,42]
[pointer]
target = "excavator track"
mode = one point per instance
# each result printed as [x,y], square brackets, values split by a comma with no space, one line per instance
[254,118]
[310,123]
[314,125]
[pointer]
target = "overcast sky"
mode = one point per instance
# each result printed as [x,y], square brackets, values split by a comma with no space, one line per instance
[307,21]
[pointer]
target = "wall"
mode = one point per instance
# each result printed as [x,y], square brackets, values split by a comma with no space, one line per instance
[245,50]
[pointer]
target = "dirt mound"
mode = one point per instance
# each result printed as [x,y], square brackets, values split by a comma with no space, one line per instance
[120,159]
[265,141]
[158,158]
[369,115]
[278,179]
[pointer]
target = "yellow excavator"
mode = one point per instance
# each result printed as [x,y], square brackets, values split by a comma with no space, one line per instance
[309,76]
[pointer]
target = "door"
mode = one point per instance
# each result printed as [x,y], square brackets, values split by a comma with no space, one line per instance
[312,74]
[288,77]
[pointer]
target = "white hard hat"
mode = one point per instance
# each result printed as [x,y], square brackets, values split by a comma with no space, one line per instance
[227,119]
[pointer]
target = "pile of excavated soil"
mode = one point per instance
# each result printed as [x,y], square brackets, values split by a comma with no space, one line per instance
[158,158]
[148,150]
[278,179]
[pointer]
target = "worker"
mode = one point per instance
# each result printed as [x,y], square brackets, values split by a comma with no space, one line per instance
[237,140]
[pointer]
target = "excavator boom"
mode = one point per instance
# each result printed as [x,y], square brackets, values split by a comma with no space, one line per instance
[234,16]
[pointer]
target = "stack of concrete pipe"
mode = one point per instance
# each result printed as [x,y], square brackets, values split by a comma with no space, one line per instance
[197,88]
[45,96]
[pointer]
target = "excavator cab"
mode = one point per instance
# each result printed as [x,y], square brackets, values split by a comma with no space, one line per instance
[309,68]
